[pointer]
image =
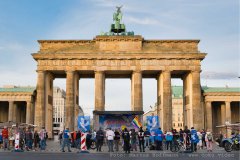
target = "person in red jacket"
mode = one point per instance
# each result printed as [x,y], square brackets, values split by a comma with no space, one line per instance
[5,138]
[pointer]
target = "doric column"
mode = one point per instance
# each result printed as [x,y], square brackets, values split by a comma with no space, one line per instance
[40,109]
[76,100]
[10,110]
[70,105]
[165,94]
[209,116]
[28,113]
[137,98]
[228,111]
[223,113]
[197,111]
[14,112]
[99,91]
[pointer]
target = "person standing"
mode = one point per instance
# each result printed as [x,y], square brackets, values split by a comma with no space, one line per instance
[158,139]
[99,138]
[133,137]
[169,139]
[199,144]
[126,140]
[110,136]
[194,140]
[36,140]
[66,139]
[28,138]
[43,137]
[146,138]
[203,132]
[141,140]
[60,137]
[78,139]
[209,141]
[116,140]
[5,138]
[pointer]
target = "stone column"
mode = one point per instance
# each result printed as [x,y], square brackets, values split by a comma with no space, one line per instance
[164,91]
[70,105]
[40,109]
[209,120]
[10,110]
[137,98]
[28,112]
[223,113]
[198,115]
[99,91]
[76,99]
[14,112]
[228,111]
[228,116]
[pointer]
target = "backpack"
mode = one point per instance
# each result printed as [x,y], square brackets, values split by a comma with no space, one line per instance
[209,137]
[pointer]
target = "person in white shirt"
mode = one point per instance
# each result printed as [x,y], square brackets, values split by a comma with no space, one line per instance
[110,136]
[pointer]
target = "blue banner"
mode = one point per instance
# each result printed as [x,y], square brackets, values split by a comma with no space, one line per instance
[84,123]
[152,123]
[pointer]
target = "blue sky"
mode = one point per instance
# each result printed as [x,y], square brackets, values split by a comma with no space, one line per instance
[214,22]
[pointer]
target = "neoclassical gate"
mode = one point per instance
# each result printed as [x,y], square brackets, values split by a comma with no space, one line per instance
[120,57]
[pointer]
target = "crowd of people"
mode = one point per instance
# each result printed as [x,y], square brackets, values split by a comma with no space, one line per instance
[29,139]
[128,140]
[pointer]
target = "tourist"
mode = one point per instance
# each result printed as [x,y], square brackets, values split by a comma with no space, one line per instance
[28,138]
[133,139]
[99,138]
[199,144]
[43,137]
[110,136]
[116,139]
[169,139]
[141,140]
[11,137]
[209,141]
[126,140]
[1,139]
[181,135]
[21,137]
[146,138]
[60,137]
[194,140]
[158,139]
[5,138]
[203,138]
[88,140]
[78,139]
[36,140]
[186,137]
[66,139]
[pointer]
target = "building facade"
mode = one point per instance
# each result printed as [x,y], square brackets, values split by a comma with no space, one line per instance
[220,106]
[59,102]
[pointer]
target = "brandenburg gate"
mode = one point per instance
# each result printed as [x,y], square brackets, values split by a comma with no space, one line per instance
[119,56]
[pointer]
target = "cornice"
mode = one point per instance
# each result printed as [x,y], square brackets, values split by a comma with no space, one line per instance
[120,56]
[222,94]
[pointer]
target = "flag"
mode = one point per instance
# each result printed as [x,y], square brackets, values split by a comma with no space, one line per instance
[136,122]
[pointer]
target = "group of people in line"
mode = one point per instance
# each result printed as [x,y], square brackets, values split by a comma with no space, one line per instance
[29,139]
[191,139]
[129,140]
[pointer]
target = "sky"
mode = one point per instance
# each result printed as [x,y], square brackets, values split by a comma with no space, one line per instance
[214,22]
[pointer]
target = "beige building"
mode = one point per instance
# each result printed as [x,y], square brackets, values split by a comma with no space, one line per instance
[59,101]
[17,104]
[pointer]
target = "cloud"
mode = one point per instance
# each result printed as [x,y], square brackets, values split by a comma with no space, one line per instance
[142,21]
[219,75]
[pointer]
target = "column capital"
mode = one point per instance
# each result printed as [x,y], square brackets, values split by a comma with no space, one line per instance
[166,71]
[99,71]
[196,71]
[69,71]
[137,71]
[40,71]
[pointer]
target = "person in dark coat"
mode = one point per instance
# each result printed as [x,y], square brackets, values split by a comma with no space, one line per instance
[99,138]
[126,139]
[141,140]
